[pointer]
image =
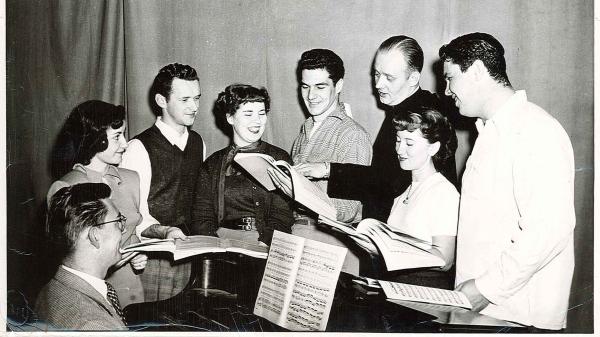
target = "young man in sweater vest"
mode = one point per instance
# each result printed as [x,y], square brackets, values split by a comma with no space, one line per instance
[167,157]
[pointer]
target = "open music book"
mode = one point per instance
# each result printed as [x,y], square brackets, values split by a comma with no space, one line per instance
[196,245]
[299,282]
[409,292]
[305,192]
[399,250]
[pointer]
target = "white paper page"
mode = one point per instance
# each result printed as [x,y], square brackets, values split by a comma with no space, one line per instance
[279,277]
[408,292]
[314,287]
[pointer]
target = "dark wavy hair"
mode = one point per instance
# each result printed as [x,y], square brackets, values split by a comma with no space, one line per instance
[233,96]
[164,79]
[465,49]
[321,59]
[74,208]
[408,47]
[85,128]
[434,127]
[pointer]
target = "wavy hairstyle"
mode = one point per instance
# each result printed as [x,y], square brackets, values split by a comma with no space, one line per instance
[465,49]
[434,127]
[86,127]
[234,95]
[74,208]
[321,59]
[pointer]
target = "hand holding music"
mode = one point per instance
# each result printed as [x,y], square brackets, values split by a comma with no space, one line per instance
[313,170]
[281,182]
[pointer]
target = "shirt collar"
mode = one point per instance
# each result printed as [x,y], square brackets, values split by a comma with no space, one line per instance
[179,140]
[501,115]
[95,282]
[95,176]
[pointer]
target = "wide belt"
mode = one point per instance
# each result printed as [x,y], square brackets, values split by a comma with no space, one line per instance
[247,223]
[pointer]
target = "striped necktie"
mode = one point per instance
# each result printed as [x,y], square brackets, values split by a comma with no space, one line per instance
[114,300]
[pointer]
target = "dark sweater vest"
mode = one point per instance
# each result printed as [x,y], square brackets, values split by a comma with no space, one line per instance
[174,175]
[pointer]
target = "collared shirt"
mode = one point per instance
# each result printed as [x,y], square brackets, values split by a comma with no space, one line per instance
[516,221]
[339,139]
[136,158]
[95,282]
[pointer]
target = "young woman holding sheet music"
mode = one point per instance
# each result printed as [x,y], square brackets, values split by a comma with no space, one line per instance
[229,203]
[428,208]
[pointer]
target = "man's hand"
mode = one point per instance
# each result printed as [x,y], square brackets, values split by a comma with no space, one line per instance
[478,301]
[313,170]
[175,233]
[281,182]
[139,261]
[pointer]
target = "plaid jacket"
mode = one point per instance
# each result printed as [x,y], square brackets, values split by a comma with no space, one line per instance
[339,139]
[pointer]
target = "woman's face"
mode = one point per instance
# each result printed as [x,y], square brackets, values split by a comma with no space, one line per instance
[414,151]
[116,146]
[248,123]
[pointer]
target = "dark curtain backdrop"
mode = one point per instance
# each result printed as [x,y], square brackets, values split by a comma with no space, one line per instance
[62,52]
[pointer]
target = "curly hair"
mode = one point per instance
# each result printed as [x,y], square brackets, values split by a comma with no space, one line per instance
[74,208]
[464,50]
[164,79]
[321,59]
[434,127]
[86,128]
[408,47]
[233,96]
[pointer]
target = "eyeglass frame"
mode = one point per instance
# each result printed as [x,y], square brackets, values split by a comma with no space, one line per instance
[120,218]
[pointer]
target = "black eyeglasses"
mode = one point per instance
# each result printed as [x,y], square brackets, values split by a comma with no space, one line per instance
[121,219]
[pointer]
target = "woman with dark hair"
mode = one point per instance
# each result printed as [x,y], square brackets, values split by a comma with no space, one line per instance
[428,208]
[229,203]
[95,132]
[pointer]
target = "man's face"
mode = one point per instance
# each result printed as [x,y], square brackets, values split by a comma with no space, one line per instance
[116,146]
[461,87]
[182,105]
[111,233]
[392,77]
[318,91]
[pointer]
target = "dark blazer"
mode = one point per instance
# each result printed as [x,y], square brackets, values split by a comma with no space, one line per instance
[272,212]
[379,184]
[68,302]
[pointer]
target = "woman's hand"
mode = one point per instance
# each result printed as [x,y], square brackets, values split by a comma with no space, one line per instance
[175,233]
[139,261]
[281,182]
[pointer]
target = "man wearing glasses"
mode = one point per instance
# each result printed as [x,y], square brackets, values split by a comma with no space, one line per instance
[89,226]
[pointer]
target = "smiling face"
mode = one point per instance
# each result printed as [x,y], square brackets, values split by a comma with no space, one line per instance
[414,150]
[117,144]
[461,87]
[393,81]
[181,107]
[318,91]
[248,123]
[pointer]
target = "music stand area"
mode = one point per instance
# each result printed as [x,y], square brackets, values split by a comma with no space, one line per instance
[223,288]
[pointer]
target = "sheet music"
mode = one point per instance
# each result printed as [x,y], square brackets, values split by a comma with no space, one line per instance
[299,282]
[401,291]
[279,277]
[313,292]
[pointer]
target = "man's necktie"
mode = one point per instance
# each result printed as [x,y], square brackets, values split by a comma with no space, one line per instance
[114,300]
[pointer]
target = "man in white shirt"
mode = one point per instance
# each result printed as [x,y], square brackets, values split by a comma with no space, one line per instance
[90,226]
[167,157]
[515,255]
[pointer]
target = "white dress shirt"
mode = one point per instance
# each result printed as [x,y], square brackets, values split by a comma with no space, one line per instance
[136,158]
[95,282]
[515,231]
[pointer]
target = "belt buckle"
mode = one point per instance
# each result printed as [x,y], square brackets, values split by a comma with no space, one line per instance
[248,223]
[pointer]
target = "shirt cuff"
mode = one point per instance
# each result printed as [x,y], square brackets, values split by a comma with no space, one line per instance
[487,284]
